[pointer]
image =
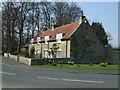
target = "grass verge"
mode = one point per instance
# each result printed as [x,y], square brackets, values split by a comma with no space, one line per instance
[81,67]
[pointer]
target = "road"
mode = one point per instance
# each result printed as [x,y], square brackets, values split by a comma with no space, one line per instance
[17,75]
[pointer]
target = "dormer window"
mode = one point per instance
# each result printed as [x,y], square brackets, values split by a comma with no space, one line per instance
[46,39]
[32,40]
[50,36]
[63,34]
[41,38]
[38,40]
[58,37]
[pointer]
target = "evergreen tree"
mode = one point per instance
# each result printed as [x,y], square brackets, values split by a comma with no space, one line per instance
[100,32]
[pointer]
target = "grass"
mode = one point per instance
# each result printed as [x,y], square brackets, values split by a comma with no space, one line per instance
[81,67]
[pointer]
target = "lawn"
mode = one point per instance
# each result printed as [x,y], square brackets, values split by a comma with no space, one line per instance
[81,67]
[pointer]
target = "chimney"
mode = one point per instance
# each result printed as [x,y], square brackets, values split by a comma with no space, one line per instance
[81,17]
[44,27]
[53,25]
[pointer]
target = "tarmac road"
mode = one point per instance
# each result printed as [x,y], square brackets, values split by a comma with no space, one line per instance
[17,75]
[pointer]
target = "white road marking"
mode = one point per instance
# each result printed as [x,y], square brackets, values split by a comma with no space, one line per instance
[48,78]
[82,81]
[73,80]
[7,73]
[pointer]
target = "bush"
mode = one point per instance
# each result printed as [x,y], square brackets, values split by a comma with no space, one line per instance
[14,53]
[70,62]
[50,61]
[21,54]
[90,64]
[29,56]
[54,64]
[103,64]
[78,65]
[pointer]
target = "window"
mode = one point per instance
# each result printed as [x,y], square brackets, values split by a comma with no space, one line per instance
[35,53]
[41,38]
[46,39]
[46,54]
[58,54]
[59,37]
[32,40]
[38,40]
[50,36]
[38,53]
[63,34]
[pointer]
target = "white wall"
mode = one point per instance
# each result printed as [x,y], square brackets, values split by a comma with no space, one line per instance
[23,60]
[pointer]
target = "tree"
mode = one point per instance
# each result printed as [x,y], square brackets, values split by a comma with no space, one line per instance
[53,50]
[22,20]
[65,13]
[9,15]
[100,32]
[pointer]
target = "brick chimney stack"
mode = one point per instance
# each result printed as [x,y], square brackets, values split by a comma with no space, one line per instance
[53,25]
[81,17]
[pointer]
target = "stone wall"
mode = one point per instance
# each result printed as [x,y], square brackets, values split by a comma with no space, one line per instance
[14,57]
[6,54]
[29,61]
[23,60]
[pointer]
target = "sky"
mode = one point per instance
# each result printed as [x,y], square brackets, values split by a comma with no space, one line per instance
[105,13]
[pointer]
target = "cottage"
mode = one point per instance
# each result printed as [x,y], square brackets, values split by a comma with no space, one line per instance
[76,41]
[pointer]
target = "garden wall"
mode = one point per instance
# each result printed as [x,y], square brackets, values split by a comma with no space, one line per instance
[6,54]
[13,57]
[23,60]
[29,61]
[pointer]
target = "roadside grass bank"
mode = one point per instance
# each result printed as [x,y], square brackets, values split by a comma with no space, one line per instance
[82,67]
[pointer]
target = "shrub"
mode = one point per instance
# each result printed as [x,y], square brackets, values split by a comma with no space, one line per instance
[54,64]
[104,64]
[21,54]
[50,61]
[70,63]
[90,64]
[30,56]
[14,53]
[78,65]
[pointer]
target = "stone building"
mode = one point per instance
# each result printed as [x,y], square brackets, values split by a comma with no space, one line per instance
[76,41]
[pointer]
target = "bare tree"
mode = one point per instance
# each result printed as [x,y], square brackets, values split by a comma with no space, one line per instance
[65,13]
[22,20]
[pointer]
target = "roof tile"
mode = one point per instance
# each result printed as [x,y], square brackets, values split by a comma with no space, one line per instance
[67,29]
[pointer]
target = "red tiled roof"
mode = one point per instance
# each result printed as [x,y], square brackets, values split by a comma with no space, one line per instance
[67,29]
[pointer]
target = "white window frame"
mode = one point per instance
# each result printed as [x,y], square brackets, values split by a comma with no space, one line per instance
[58,54]
[32,40]
[46,39]
[58,37]
[38,40]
